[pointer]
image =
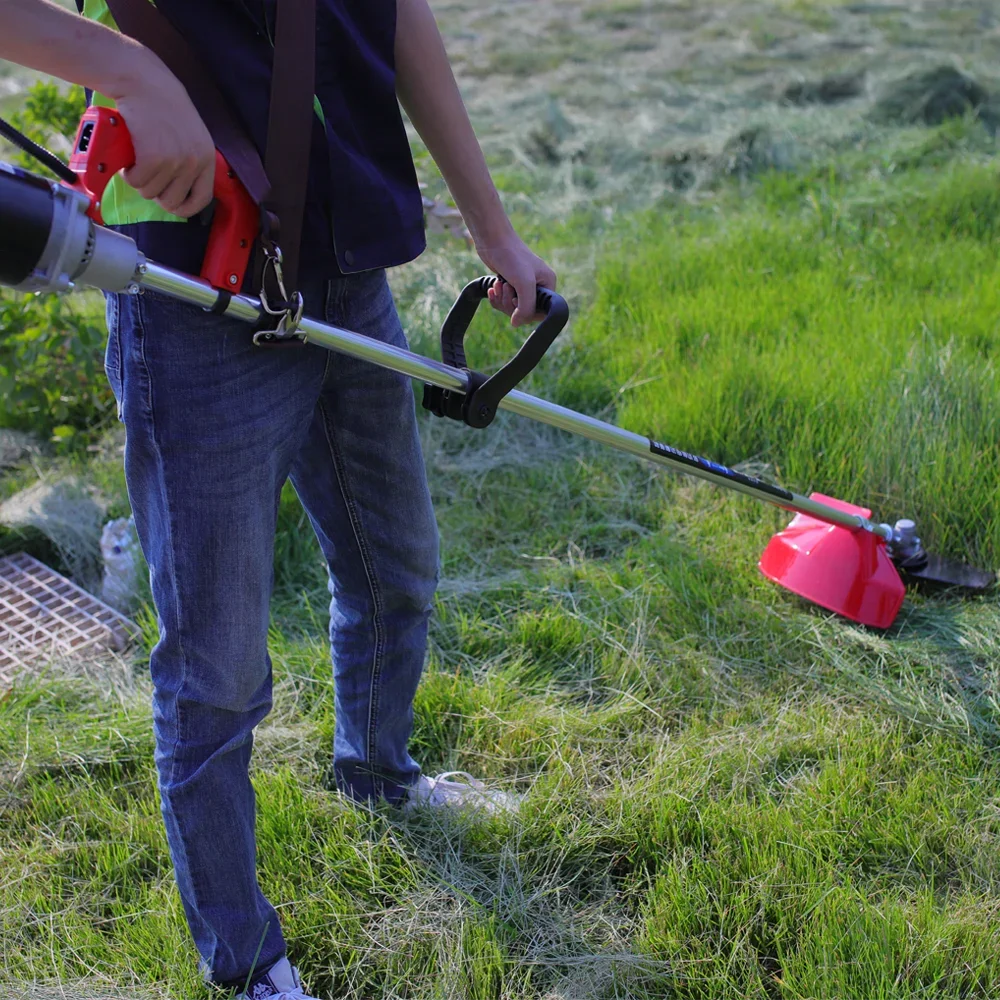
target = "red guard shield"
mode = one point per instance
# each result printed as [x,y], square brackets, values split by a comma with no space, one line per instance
[847,571]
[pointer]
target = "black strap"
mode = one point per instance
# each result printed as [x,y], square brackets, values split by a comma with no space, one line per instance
[290,125]
[221,303]
[40,153]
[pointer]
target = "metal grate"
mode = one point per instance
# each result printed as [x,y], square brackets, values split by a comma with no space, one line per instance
[44,616]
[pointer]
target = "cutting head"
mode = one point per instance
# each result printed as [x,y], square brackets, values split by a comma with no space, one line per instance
[856,573]
[844,570]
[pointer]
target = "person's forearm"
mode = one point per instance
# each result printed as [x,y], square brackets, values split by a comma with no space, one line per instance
[174,154]
[428,92]
[42,36]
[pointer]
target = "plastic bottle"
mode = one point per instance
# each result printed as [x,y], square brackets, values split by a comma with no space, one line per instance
[120,549]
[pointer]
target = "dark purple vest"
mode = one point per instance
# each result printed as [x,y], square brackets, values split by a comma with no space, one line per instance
[363,207]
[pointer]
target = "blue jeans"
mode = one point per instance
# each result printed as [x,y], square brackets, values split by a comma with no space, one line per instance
[214,426]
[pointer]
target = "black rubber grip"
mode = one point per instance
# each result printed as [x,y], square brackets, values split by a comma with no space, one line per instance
[479,406]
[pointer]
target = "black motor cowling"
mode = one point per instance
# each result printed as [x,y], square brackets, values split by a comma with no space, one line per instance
[48,243]
[26,209]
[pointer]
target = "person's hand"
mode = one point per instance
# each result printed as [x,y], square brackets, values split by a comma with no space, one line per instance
[174,154]
[522,271]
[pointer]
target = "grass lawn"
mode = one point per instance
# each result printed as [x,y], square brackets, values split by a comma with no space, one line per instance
[730,794]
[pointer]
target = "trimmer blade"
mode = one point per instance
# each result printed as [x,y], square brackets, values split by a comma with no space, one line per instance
[939,571]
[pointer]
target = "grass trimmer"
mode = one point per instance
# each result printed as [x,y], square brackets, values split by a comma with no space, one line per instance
[832,553]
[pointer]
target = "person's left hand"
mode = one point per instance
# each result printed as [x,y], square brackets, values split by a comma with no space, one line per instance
[522,272]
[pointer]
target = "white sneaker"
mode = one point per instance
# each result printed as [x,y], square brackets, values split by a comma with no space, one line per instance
[471,793]
[280,983]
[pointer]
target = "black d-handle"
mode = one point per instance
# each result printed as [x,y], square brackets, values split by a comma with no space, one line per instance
[478,406]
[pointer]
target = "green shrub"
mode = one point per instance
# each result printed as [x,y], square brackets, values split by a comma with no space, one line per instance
[51,348]
[47,112]
[51,367]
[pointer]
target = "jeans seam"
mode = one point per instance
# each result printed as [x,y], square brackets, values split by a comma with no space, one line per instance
[328,300]
[114,332]
[114,373]
[366,562]
[161,477]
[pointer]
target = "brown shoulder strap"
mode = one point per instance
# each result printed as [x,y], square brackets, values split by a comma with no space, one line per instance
[290,125]
[142,21]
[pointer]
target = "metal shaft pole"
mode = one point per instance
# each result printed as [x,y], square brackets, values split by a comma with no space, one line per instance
[197,292]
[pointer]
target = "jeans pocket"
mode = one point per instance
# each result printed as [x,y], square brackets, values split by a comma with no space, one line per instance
[363,303]
[113,351]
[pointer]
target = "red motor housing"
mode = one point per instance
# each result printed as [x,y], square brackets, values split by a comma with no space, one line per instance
[103,146]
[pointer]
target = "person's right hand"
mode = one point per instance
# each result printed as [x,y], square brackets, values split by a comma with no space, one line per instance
[174,154]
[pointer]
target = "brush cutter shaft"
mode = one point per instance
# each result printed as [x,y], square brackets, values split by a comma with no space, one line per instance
[181,286]
[644,447]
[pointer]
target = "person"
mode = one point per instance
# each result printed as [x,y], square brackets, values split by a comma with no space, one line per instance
[215,426]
